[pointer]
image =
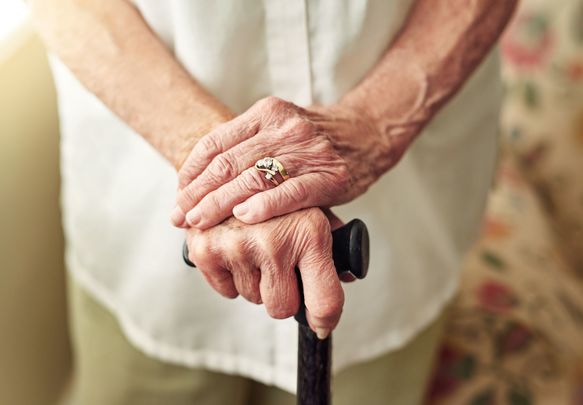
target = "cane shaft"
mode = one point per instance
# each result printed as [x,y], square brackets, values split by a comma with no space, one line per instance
[314,364]
[350,246]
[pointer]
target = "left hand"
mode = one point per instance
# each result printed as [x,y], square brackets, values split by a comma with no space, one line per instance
[332,154]
[259,261]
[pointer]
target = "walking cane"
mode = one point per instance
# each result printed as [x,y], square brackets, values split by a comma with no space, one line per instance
[350,251]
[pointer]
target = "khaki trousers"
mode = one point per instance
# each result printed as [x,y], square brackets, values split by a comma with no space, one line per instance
[110,371]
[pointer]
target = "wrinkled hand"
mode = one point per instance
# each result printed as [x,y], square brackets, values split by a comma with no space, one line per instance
[333,154]
[259,261]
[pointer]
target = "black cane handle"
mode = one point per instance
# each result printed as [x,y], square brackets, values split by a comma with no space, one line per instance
[350,251]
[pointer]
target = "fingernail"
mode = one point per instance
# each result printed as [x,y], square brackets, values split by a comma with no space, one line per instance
[177,216]
[322,333]
[193,217]
[240,210]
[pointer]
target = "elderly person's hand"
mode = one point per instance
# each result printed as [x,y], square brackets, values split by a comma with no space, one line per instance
[258,261]
[332,154]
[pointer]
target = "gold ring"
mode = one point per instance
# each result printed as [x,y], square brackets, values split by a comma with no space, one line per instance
[273,169]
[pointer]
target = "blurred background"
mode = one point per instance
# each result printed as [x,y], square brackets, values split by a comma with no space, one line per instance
[515,333]
[34,349]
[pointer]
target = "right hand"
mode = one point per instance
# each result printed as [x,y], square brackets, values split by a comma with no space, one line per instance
[258,261]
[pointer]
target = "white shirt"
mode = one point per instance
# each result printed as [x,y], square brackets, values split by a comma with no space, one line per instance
[118,192]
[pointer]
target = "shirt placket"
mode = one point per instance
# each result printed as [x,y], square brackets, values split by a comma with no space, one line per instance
[288,50]
[288,55]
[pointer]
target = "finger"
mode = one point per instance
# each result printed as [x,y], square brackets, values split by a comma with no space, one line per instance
[323,294]
[217,170]
[221,280]
[223,169]
[290,196]
[218,205]
[247,279]
[279,291]
[228,164]
[211,267]
[219,140]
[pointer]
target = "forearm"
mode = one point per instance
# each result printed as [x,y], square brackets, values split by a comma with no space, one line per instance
[113,52]
[440,46]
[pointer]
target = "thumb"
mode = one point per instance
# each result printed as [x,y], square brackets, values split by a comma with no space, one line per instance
[323,294]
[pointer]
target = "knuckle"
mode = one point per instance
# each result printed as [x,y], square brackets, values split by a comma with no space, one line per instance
[185,198]
[296,192]
[229,293]
[222,167]
[221,282]
[248,284]
[269,250]
[297,130]
[211,206]
[199,251]
[320,238]
[343,175]
[271,102]
[328,311]
[225,291]
[324,147]
[254,297]
[265,246]
[251,295]
[280,310]
[208,144]
[303,127]
[340,180]
[270,201]
[185,176]
[253,181]
[221,276]
[316,223]
[232,246]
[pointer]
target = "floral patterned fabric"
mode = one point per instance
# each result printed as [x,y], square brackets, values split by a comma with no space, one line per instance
[515,332]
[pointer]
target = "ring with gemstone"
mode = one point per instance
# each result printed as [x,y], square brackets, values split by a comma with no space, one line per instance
[273,169]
